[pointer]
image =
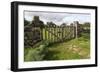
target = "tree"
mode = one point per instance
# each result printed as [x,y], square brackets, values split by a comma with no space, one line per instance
[50,24]
[63,25]
[36,22]
[26,22]
[86,24]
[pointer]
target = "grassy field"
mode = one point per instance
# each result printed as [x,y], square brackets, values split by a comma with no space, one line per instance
[73,49]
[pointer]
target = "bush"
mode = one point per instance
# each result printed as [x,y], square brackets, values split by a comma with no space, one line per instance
[85,35]
[36,54]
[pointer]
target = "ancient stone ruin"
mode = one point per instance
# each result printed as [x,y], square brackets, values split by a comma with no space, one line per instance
[32,32]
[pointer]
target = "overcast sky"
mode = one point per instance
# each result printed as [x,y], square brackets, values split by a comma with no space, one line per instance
[58,17]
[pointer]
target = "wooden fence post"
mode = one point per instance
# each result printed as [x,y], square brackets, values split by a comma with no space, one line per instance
[76,24]
[62,33]
[73,31]
[56,32]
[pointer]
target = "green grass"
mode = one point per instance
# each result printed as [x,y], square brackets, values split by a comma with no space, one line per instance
[73,49]
[37,53]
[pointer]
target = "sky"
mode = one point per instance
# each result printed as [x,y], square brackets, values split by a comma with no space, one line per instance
[58,17]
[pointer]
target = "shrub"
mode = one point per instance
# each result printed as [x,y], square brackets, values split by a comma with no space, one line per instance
[37,54]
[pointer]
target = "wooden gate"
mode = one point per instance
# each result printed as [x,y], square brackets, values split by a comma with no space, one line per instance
[58,33]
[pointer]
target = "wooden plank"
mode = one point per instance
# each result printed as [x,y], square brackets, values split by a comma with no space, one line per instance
[62,33]
[56,33]
[48,34]
[59,33]
[45,33]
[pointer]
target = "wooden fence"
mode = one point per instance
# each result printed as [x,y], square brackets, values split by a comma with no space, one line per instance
[50,33]
[54,33]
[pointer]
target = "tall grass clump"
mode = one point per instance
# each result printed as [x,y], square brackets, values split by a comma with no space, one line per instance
[36,54]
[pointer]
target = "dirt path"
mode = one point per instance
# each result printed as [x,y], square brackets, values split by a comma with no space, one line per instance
[80,51]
